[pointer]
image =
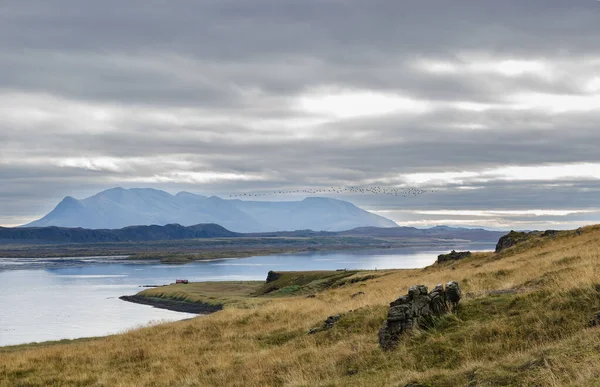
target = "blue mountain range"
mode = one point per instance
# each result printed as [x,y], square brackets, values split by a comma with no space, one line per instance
[118,207]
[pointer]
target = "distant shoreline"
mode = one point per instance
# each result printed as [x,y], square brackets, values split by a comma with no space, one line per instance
[183,244]
[180,252]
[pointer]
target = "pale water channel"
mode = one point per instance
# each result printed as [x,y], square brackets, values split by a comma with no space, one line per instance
[66,298]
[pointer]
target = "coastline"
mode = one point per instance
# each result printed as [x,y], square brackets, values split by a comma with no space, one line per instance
[174,305]
[210,297]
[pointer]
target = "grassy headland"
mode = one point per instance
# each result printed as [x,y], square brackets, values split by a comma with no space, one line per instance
[524,321]
[244,293]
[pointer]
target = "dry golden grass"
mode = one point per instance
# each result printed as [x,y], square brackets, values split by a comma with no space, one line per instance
[220,293]
[243,294]
[537,336]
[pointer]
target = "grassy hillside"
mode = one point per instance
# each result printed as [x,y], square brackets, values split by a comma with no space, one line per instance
[524,321]
[221,293]
[245,293]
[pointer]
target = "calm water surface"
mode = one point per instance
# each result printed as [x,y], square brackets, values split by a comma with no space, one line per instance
[53,299]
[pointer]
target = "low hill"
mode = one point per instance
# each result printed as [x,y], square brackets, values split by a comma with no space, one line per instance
[118,207]
[133,233]
[527,318]
[52,234]
[442,232]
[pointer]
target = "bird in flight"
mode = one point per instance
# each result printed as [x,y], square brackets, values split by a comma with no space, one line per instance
[373,190]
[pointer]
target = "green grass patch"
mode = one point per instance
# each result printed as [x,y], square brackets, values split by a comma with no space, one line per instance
[240,293]
[302,282]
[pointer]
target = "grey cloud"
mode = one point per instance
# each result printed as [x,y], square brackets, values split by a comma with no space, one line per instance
[378,24]
[293,44]
[236,65]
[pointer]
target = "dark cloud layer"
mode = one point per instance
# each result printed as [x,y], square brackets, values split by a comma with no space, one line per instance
[493,104]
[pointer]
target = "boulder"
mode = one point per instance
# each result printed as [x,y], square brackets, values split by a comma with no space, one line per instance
[418,307]
[438,301]
[453,294]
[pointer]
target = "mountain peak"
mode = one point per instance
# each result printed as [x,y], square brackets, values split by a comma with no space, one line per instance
[68,202]
[120,190]
[68,208]
[111,190]
[323,199]
[68,199]
[119,207]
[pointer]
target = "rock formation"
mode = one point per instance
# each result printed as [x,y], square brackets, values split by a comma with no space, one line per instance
[417,308]
[453,256]
[516,237]
[510,239]
[453,294]
[273,276]
[328,324]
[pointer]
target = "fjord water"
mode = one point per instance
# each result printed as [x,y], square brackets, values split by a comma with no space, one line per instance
[65,298]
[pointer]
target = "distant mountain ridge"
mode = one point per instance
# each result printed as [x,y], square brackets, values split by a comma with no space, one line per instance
[118,207]
[55,234]
[437,232]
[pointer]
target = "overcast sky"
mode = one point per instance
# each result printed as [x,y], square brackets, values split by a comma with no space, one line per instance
[495,105]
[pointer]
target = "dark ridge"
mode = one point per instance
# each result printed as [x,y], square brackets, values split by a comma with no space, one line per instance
[128,234]
[442,232]
[58,235]
[296,234]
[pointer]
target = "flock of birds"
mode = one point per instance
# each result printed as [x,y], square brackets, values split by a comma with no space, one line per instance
[404,192]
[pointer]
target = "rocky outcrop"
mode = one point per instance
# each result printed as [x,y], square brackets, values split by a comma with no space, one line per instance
[510,239]
[418,308]
[453,294]
[516,237]
[550,233]
[328,324]
[453,256]
[273,276]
